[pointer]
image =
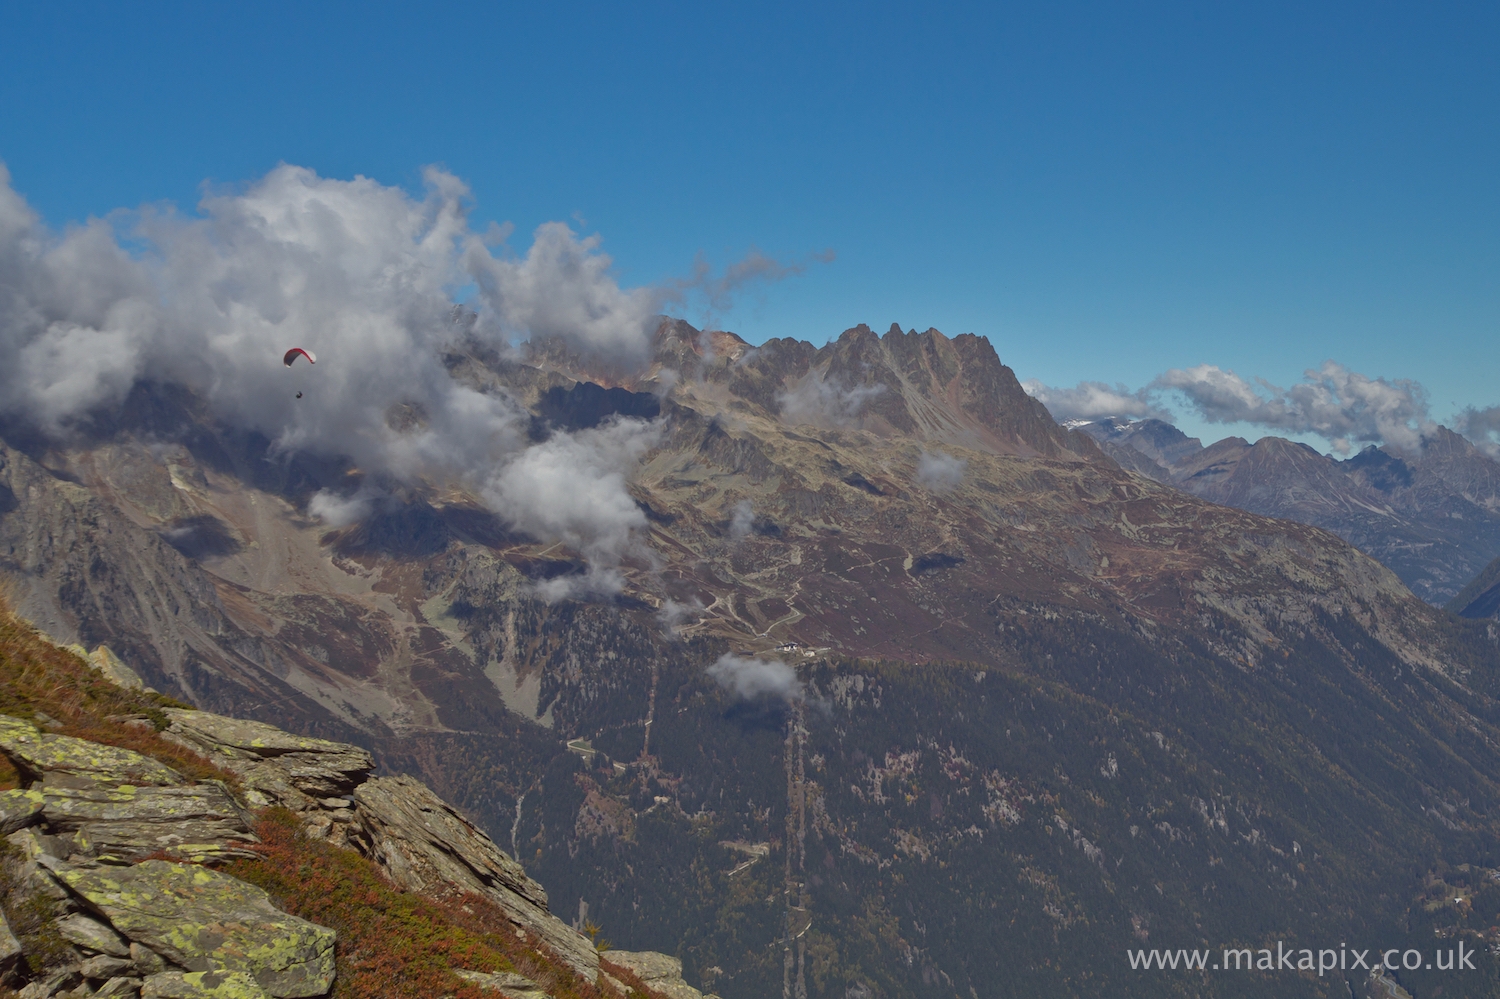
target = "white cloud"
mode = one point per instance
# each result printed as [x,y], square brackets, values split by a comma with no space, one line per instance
[819,402]
[752,678]
[363,275]
[741,520]
[1093,401]
[562,288]
[1343,406]
[674,614]
[340,511]
[940,472]
[572,488]
[1482,426]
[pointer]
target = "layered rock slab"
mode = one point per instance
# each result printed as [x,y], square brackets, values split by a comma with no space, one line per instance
[661,972]
[43,755]
[199,822]
[427,847]
[421,841]
[210,922]
[275,766]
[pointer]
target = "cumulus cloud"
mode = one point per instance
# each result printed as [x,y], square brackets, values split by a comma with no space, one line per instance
[562,288]
[1093,401]
[821,402]
[365,276]
[751,678]
[1482,426]
[1344,406]
[572,488]
[940,472]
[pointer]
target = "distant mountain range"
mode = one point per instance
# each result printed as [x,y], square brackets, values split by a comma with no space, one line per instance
[1433,518]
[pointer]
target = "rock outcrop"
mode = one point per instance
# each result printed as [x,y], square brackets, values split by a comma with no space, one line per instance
[89,831]
[508,984]
[429,848]
[261,754]
[421,841]
[82,835]
[660,972]
[58,759]
[206,921]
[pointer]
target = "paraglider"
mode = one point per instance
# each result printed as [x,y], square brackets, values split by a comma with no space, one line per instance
[291,356]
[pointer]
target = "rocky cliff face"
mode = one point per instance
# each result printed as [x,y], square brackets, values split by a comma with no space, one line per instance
[1019,687]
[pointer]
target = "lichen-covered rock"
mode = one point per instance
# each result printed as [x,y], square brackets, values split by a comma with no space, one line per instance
[146,960]
[202,985]
[10,947]
[38,855]
[268,760]
[115,671]
[435,843]
[19,809]
[198,822]
[50,984]
[429,848]
[206,921]
[125,986]
[38,755]
[507,983]
[90,934]
[102,967]
[661,972]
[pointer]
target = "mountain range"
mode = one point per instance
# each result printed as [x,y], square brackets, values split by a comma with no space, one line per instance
[1432,517]
[895,688]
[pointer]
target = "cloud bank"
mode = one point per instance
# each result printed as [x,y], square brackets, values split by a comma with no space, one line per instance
[751,678]
[1343,406]
[1094,400]
[365,276]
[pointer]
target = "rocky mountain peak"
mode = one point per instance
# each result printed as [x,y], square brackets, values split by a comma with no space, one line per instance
[925,386]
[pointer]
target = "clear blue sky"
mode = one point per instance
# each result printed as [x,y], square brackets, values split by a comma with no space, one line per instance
[1106,191]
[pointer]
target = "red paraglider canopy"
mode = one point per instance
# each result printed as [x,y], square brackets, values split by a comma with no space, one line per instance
[291,356]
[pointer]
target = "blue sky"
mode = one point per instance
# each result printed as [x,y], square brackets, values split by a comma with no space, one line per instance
[1107,192]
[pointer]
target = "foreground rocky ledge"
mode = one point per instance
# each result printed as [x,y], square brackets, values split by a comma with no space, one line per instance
[112,843]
